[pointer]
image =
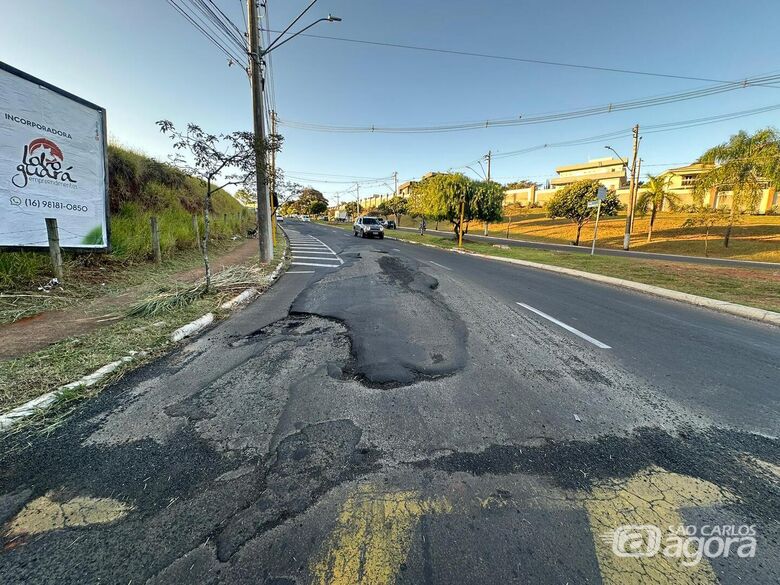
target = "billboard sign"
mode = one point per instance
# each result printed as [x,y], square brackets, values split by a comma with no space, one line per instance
[52,164]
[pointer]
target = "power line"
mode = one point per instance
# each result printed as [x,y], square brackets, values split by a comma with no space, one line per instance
[543,118]
[217,40]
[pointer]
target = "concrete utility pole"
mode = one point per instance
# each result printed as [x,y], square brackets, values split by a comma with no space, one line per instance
[630,210]
[489,156]
[264,230]
[395,184]
[273,181]
[357,199]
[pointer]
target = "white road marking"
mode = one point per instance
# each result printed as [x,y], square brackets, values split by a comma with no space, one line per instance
[312,258]
[313,264]
[439,265]
[300,272]
[569,328]
[313,252]
[395,249]
[331,249]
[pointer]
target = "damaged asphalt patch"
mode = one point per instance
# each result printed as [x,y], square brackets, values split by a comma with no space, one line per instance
[388,307]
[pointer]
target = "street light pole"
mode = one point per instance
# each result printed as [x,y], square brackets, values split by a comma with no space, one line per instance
[631,187]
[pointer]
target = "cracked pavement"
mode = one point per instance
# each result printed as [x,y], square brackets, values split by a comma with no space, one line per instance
[399,420]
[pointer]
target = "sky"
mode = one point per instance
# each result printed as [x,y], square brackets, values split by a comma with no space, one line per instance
[143,62]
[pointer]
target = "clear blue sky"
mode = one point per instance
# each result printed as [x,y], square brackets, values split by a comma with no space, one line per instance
[143,61]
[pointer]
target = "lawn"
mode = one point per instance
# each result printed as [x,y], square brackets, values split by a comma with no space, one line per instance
[755,287]
[756,237]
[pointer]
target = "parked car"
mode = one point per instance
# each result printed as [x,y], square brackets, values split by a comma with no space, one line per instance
[368,227]
[390,224]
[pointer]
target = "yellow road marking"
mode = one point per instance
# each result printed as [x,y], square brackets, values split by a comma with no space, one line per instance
[373,536]
[652,497]
[44,514]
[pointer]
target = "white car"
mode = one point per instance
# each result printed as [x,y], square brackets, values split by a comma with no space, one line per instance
[368,227]
[305,218]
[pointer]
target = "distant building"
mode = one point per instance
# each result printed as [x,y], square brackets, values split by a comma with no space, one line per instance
[611,172]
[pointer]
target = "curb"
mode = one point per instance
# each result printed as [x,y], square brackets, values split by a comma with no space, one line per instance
[16,415]
[736,309]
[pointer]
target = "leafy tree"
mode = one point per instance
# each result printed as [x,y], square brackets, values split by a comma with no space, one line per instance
[350,207]
[246,198]
[440,196]
[310,199]
[220,160]
[318,207]
[655,193]
[707,217]
[396,206]
[743,166]
[571,202]
[523,184]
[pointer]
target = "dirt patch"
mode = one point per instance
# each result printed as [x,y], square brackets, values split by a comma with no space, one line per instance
[34,333]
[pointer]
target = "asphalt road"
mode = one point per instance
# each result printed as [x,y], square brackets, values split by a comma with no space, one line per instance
[391,413]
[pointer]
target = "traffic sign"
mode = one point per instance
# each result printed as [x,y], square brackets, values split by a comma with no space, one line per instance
[594,203]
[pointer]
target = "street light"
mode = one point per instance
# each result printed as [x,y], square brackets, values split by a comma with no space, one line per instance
[265,227]
[630,206]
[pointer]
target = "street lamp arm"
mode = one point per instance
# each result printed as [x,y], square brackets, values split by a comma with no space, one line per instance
[273,45]
[289,26]
[625,162]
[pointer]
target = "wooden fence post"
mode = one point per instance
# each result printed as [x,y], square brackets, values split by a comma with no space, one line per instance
[54,247]
[155,240]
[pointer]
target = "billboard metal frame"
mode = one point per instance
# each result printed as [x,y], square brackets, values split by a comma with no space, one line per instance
[107,248]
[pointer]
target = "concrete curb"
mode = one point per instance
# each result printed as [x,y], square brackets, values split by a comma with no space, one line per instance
[736,309]
[12,417]
[19,413]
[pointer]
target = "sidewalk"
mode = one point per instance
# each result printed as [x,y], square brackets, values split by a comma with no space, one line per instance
[34,333]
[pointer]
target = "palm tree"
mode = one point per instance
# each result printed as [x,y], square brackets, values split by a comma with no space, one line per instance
[743,165]
[653,197]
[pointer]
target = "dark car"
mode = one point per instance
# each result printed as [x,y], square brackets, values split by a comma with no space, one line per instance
[368,227]
[390,224]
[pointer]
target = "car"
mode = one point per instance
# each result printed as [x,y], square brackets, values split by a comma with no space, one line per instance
[279,218]
[305,218]
[390,224]
[368,227]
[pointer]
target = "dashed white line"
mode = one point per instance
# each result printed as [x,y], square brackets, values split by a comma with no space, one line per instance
[440,265]
[300,272]
[569,328]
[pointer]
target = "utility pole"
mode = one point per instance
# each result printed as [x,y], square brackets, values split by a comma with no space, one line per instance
[489,156]
[630,210]
[264,231]
[395,184]
[273,181]
[357,199]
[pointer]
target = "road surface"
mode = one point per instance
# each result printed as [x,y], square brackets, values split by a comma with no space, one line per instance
[391,413]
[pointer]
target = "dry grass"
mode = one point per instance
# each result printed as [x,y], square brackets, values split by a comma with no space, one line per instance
[757,237]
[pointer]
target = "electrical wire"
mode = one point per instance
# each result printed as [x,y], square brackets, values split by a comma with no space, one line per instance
[541,118]
[226,44]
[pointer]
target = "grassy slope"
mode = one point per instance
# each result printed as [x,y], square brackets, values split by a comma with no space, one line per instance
[753,287]
[757,237]
[139,187]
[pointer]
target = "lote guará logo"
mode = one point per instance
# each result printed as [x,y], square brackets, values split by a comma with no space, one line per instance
[42,161]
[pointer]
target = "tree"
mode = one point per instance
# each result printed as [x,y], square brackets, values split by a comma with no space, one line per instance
[743,165]
[220,160]
[246,198]
[311,201]
[440,196]
[523,184]
[350,207]
[653,197]
[396,206]
[571,202]
[707,217]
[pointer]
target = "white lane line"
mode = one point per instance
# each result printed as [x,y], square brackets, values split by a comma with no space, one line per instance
[439,265]
[569,328]
[395,249]
[325,252]
[311,258]
[300,272]
[331,249]
[314,264]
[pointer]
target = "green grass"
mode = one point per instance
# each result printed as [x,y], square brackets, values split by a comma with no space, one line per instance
[748,286]
[30,376]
